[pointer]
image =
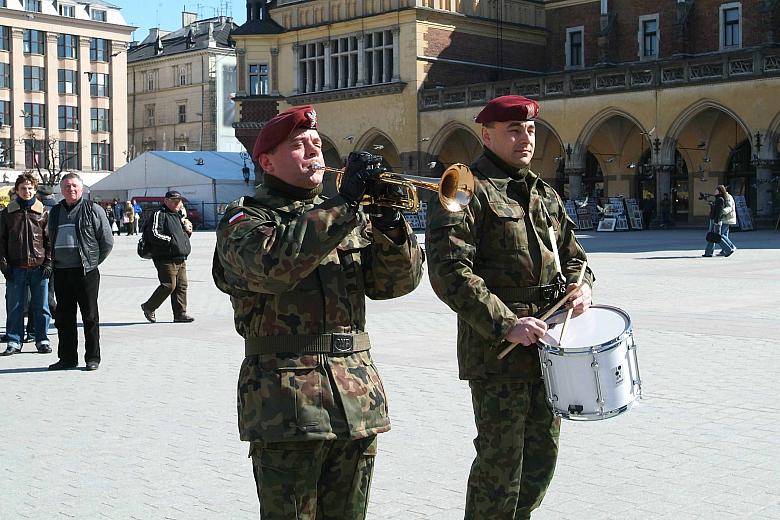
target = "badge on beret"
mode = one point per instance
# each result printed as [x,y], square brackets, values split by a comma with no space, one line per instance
[312,118]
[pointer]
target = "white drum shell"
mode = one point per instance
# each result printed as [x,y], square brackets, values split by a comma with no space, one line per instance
[591,382]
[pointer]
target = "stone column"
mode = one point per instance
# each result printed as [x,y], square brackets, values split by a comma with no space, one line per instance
[274,91]
[241,69]
[362,70]
[663,183]
[296,76]
[575,182]
[396,31]
[328,85]
[764,187]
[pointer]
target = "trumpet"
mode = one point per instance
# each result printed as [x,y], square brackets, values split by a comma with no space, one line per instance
[455,188]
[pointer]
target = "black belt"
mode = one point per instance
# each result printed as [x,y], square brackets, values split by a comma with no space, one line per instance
[549,293]
[332,343]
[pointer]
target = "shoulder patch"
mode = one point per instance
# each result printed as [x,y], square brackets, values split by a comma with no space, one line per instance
[238,217]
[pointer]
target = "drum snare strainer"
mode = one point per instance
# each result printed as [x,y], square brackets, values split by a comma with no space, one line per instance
[595,374]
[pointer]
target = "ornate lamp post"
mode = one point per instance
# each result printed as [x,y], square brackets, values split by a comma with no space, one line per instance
[245,170]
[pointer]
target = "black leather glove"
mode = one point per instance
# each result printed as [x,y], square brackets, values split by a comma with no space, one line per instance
[46,271]
[362,168]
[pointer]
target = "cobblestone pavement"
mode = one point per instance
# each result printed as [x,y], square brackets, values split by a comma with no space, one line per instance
[152,434]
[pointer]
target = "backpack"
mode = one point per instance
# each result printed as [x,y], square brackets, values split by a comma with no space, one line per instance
[144,248]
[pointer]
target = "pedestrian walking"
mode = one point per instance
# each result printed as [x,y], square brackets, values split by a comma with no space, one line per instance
[506,257]
[168,233]
[718,230]
[81,240]
[298,269]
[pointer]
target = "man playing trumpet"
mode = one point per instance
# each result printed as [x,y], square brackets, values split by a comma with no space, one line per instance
[298,269]
[503,259]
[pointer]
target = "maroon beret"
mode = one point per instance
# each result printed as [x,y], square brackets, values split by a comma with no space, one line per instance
[281,126]
[508,108]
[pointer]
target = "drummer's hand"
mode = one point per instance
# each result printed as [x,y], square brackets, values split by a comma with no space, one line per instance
[526,331]
[580,300]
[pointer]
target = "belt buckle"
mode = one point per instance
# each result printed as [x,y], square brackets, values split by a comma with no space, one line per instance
[553,291]
[342,343]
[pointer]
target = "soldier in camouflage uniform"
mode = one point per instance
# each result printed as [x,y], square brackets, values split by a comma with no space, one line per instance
[493,264]
[298,269]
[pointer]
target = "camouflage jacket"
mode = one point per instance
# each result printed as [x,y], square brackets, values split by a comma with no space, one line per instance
[299,268]
[499,243]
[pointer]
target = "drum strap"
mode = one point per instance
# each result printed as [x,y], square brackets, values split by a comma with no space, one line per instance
[553,241]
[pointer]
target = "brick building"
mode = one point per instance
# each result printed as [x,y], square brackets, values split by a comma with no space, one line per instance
[638,98]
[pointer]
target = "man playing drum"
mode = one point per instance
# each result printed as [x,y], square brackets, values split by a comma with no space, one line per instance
[495,265]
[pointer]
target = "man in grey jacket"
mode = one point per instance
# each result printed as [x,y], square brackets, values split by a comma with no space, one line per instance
[81,239]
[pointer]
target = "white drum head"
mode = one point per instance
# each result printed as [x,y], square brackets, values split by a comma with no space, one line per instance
[596,326]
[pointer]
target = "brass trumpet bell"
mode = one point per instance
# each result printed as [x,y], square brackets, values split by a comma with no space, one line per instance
[455,189]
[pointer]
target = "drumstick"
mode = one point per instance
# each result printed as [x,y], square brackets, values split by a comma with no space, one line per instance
[568,313]
[544,316]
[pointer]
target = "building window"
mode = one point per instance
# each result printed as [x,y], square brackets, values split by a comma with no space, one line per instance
[5,75]
[34,156]
[5,38]
[99,85]
[149,111]
[575,47]
[151,80]
[99,49]
[6,153]
[34,115]
[34,78]
[100,119]
[69,155]
[34,41]
[183,74]
[258,80]
[101,156]
[379,57]
[68,117]
[67,46]
[344,62]
[648,37]
[32,5]
[5,113]
[311,67]
[67,10]
[182,114]
[99,15]
[731,26]
[67,81]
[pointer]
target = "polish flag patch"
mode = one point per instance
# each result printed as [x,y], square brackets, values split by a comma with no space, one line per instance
[238,217]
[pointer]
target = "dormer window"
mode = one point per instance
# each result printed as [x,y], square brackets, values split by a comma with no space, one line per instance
[67,10]
[32,5]
[99,15]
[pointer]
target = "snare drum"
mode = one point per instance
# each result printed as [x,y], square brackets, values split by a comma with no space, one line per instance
[595,374]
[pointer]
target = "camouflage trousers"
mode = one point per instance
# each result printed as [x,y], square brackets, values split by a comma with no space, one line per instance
[314,480]
[517,446]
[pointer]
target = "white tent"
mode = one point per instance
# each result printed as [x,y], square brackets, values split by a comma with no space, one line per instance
[209,180]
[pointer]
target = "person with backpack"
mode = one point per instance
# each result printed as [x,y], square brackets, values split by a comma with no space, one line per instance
[167,233]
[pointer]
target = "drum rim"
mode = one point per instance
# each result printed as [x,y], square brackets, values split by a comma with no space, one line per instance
[608,345]
[596,416]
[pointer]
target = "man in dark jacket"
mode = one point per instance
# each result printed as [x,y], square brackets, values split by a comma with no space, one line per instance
[25,261]
[168,232]
[81,239]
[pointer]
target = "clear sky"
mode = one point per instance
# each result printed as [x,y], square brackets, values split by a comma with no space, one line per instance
[166,14]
